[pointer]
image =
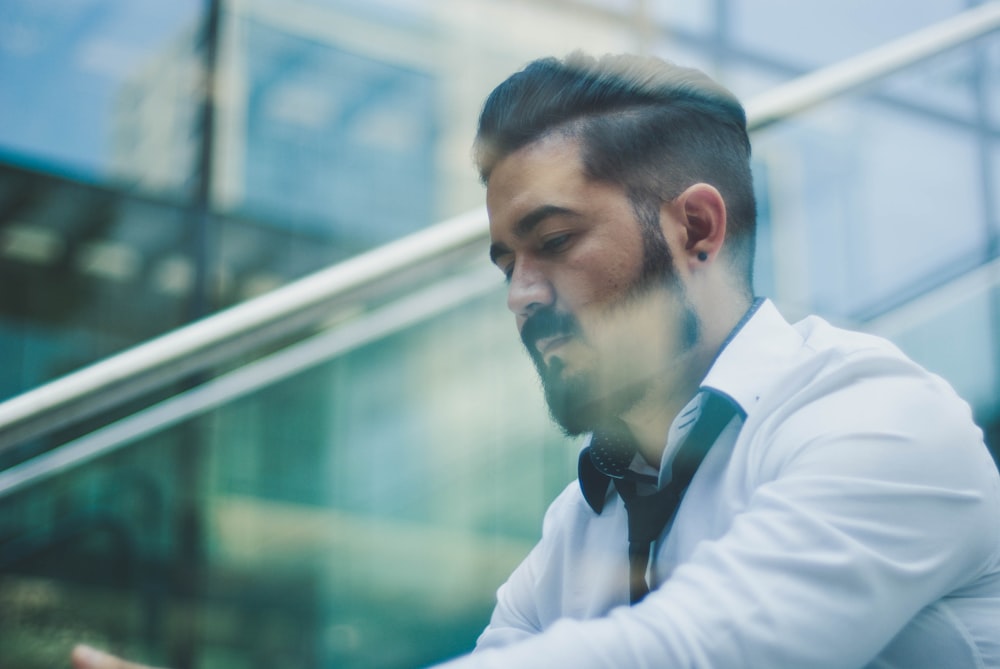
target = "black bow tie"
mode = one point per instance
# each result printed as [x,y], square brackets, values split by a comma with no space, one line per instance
[612,453]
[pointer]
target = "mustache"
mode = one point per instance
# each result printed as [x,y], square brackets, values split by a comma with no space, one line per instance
[547,322]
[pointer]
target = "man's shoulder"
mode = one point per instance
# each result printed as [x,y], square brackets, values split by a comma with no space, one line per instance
[843,386]
[569,511]
[864,368]
[819,335]
[569,502]
[773,365]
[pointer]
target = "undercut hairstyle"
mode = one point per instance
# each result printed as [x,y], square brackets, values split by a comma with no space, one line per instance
[646,125]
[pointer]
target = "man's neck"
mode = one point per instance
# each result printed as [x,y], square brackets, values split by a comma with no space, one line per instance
[649,420]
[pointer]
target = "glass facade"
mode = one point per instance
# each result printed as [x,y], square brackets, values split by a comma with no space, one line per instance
[163,161]
[65,73]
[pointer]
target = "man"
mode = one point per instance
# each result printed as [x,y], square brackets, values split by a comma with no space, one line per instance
[753,494]
[845,512]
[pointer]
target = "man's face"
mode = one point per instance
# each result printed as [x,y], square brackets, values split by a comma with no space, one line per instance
[591,287]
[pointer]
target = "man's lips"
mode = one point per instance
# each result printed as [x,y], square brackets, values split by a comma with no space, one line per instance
[546,330]
[547,345]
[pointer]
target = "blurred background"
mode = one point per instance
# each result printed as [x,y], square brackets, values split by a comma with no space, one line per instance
[161,162]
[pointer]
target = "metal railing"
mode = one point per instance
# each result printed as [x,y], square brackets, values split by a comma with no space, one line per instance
[304,303]
[806,92]
[229,333]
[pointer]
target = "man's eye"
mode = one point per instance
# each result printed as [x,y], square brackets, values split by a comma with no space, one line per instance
[555,244]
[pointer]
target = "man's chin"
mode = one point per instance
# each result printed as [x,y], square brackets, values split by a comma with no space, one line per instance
[567,399]
[577,409]
[571,420]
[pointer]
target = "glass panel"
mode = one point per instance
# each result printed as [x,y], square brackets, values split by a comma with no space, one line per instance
[97,270]
[810,34]
[304,523]
[992,181]
[991,73]
[355,120]
[335,141]
[873,201]
[943,87]
[83,91]
[695,16]
[954,334]
[94,271]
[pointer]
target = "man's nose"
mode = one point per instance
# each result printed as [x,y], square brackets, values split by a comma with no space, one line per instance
[529,290]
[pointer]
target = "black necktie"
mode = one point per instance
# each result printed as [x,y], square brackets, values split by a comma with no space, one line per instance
[649,514]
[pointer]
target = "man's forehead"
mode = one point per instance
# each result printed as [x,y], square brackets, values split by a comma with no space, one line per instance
[489,153]
[541,168]
[566,146]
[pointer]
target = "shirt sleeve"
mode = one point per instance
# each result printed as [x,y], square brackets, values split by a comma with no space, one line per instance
[515,617]
[523,607]
[867,504]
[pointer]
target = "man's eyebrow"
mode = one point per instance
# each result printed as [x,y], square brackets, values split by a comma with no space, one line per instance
[526,224]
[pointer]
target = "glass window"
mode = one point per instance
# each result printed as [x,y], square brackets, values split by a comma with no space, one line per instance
[867,205]
[82,91]
[810,34]
[330,140]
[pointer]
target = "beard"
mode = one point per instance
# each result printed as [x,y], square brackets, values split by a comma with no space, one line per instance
[578,402]
[581,402]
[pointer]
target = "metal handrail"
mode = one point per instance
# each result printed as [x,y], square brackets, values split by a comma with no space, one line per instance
[185,350]
[829,82]
[247,379]
[224,335]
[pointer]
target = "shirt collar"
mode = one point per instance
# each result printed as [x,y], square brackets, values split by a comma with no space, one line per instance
[751,360]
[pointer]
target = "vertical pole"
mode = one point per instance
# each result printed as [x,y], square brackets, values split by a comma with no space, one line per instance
[720,37]
[190,447]
[201,245]
[988,174]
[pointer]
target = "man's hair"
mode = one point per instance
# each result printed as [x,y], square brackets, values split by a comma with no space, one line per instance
[649,126]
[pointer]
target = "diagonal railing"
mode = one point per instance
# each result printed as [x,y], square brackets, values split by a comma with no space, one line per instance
[234,331]
[304,304]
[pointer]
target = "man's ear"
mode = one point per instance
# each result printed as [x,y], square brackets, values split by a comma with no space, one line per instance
[703,218]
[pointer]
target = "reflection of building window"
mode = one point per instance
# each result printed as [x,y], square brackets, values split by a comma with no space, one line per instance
[336,141]
[155,133]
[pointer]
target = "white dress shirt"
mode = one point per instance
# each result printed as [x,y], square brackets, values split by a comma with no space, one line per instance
[851,520]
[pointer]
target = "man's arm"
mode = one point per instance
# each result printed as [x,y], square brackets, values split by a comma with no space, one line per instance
[513,618]
[517,615]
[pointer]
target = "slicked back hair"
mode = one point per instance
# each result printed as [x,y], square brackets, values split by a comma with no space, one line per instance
[646,125]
